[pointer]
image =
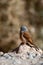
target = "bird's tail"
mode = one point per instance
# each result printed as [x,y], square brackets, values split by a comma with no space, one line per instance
[32,45]
[35,47]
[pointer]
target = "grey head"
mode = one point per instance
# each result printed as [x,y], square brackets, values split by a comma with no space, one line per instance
[23,29]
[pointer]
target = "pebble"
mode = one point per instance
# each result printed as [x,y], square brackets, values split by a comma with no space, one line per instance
[7,56]
[1,53]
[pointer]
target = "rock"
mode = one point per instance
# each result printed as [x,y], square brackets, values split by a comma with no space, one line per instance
[1,53]
[7,56]
[26,55]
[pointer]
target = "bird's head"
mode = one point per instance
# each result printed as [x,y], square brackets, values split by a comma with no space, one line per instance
[23,29]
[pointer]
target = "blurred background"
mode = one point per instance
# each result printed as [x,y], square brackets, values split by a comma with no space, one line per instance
[13,14]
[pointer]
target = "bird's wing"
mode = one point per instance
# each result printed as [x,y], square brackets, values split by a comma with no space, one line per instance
[27,35]
[29,39]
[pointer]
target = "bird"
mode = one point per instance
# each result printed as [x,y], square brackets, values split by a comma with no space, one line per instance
[26,37]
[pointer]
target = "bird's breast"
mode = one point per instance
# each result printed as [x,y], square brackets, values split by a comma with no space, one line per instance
[23,39]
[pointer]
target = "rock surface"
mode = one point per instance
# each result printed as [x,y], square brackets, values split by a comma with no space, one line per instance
[25,56]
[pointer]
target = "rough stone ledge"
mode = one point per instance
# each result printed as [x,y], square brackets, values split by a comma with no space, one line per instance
[25,56]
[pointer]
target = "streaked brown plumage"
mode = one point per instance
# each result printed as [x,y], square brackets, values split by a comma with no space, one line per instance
[28,37]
